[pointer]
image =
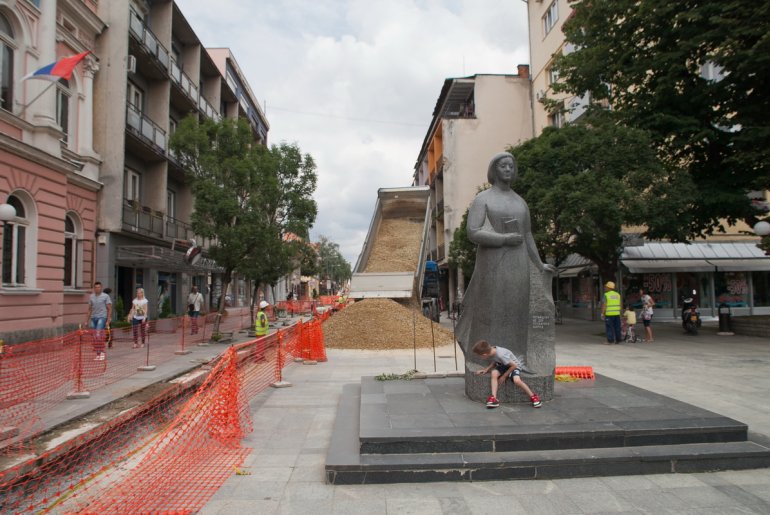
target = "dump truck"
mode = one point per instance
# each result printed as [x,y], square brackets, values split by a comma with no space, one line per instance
[392,260]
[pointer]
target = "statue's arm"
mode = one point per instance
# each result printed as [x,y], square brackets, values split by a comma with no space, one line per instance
[477,215]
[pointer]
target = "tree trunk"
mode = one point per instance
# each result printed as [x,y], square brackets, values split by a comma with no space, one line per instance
[227,278]
[254,302]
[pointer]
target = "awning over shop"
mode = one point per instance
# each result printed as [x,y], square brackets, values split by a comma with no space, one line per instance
[162,258]
[659,257]
[573,265]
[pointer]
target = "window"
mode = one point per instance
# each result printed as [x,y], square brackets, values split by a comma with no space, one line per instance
[551,17]
[171,204]
[135,96]
[63,107]
[133,185]
[72,253]
[15,248]
[6,64]
[553,76]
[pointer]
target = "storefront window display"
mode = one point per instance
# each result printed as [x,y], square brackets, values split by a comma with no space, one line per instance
[732,288]
[688,287]
[658,286]
[761,281]
[582,292]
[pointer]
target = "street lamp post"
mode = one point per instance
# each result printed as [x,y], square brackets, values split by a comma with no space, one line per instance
[7,213]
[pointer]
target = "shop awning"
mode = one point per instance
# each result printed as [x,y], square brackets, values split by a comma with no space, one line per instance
[658,257]
[573,265]
[163,258]
[654,266]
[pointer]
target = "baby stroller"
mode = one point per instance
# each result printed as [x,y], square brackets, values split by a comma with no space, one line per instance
[627,331]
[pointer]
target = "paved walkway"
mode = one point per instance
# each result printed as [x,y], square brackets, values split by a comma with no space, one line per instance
[728,375]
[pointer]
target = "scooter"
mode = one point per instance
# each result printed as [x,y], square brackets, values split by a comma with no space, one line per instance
[691,321]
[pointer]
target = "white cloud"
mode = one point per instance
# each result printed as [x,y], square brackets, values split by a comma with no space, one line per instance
[376,60]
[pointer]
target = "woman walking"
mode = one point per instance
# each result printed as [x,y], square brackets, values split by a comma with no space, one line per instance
[138,316]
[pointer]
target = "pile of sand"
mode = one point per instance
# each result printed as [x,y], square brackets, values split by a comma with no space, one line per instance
[380,324]
[396,247]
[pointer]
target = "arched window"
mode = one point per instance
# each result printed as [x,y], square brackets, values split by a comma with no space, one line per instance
[73,253]
[15,245]
[6,63]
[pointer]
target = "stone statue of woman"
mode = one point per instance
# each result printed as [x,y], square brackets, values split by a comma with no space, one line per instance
[496,303]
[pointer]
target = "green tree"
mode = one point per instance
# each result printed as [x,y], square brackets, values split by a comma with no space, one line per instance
[290,211]
[646,59]
[462,251]
[584,182]
[247,196]
[333,266]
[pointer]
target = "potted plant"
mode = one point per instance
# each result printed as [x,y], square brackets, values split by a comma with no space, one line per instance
[166,324]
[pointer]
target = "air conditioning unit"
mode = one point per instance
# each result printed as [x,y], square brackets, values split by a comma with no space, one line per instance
[540,95]
[131,63]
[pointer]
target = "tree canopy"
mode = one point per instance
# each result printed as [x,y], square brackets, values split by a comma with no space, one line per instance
[585,182]
[331,263]
[247,196]
[691,73]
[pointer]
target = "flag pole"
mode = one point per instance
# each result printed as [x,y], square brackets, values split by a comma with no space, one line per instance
[45,90]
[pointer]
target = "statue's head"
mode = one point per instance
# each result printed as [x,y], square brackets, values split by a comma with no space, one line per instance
[502,167]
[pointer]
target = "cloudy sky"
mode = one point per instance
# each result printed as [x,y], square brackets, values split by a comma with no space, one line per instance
[354,82]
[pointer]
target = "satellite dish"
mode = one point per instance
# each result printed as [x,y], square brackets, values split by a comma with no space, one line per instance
[193,255]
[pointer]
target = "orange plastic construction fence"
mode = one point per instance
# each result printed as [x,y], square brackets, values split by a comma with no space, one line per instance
[171,451]
[36,376]
[579,372]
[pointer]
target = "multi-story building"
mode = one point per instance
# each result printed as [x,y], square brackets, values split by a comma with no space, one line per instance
[475,117]
[724,268]
[155,72]
[49,168]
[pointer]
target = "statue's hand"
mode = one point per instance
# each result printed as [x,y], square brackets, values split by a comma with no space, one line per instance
[549,268]
[513,239]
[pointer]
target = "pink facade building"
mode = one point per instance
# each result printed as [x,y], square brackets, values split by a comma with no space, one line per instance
[49,171]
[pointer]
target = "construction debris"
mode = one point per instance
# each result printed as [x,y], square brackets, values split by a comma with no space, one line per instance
[381,324]
[397,246]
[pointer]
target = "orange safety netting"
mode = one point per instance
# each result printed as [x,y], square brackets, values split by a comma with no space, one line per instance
[579,372]
[169,453]
[37,375]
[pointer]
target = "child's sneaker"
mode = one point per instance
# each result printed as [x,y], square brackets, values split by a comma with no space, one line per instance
[492,402]
[535,401]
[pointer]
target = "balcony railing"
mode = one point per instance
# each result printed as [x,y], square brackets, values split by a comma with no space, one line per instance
[148,40]
[145,221]
[184,82]
[145,128]
[207,109]
[142,219]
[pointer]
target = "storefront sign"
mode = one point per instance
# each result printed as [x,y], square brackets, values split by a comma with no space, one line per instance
[657,283]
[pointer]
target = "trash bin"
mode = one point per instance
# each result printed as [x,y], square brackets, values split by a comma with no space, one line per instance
[725,315]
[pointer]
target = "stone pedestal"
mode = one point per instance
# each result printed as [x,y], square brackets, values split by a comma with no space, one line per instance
[541,353]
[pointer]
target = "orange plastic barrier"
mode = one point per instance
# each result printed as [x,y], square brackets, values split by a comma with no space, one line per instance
[38,375]
[579,372]
[170,453]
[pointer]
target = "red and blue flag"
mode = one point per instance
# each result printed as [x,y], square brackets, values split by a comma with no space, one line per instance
[61,69]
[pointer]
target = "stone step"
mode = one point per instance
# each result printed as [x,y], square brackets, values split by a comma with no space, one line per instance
[554,464]
[346,464]
[576,436]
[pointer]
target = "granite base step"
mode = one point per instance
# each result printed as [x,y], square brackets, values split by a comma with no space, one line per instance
[376,441]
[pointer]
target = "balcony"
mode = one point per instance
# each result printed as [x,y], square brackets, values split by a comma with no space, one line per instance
[148,43]
[438,211]
[145,129]
[207,109]
[143,220]
[182,81]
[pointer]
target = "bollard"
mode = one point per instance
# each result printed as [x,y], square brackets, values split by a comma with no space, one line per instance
[79,393]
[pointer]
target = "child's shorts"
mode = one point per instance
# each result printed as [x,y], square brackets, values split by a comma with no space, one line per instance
[504,368]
